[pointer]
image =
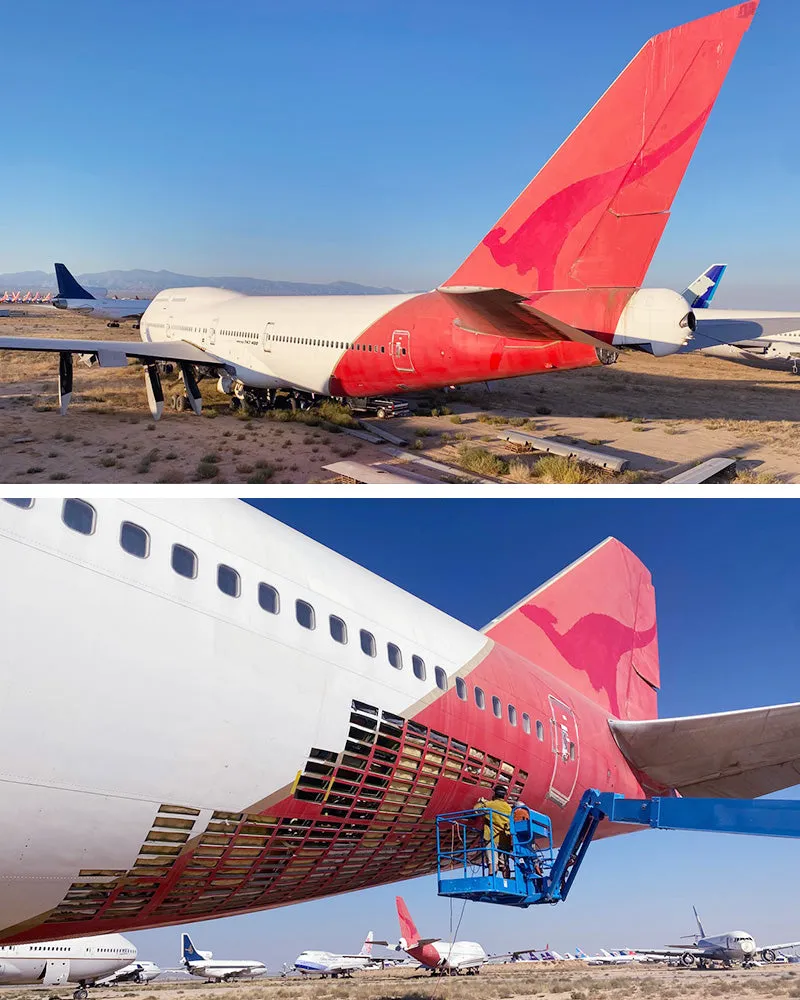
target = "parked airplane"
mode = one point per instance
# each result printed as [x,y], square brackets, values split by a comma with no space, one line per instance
[136,972]
[728,948]
[605,957]
[84,961]
[556,283]
[74,297]
[351,714]
[443,957]
[762,338]
[327,963]
[203,964]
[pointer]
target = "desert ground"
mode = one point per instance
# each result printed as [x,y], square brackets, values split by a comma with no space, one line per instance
[663,415]
[523,981]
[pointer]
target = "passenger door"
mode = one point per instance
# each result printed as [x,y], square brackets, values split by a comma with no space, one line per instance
[566,757]
[401,351]
[266,338]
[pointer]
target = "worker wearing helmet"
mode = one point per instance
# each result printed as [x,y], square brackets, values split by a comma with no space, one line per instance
[497,826]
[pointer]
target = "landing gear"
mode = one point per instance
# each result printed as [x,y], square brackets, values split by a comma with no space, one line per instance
[113,324]
[606,356]
[180,403]
[81,993]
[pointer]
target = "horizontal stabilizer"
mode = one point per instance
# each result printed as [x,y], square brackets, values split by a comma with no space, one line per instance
[729,755]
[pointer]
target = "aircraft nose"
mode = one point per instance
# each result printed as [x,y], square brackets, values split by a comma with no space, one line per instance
[748,946]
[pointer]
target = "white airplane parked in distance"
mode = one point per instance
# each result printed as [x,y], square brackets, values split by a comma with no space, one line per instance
[621,956]
[136,972]
[761,338]
[728,948]
[73,297]
[203,963]
[327,963]
[439,956]
[84,961]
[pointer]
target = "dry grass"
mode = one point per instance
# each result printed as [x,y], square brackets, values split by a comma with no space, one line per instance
[481,462]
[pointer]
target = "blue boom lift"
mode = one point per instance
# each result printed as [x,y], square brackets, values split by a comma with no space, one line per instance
[476,862]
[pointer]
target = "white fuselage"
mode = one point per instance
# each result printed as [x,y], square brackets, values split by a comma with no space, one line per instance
[80,960]
[220,969]
[286,688]
[113,309]
[459,955]
[273,341]
[736,946]
[136,972]
[765,339]
[329,963]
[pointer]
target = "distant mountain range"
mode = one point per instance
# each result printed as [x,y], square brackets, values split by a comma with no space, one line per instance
[145,284]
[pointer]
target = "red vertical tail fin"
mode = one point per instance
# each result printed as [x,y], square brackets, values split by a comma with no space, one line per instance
[594,627]
[408,930]
[592,217]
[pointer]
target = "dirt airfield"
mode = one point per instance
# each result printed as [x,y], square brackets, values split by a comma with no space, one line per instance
[523,981]
[662,415]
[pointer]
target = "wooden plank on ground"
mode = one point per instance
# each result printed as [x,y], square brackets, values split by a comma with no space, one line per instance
[375,428]
[372,474]
[588,455]
[702,473]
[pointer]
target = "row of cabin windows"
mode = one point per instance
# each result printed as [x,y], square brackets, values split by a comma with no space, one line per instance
[81,516]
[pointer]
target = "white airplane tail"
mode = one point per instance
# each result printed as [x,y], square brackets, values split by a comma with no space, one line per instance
[366,948]
[699,924]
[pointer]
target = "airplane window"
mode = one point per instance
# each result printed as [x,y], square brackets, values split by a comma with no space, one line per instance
[184,561]
[268,598]
[461,688]
[526,722]
[441,678]
[497,708]
[134,540]
[512,715]
[395,656]
[79,515]
[368,643]
[228,580]
[305,614]
[572,751]
[480,698]
[539,731]
[25,504]
[418,666]
[338,629]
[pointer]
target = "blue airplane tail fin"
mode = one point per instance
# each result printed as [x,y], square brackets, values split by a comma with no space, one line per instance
[699,924]
[701,291]
[68,287]
[188,950]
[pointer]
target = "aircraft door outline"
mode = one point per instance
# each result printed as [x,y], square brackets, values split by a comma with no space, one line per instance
[267,334]
[565,749]
[401,351]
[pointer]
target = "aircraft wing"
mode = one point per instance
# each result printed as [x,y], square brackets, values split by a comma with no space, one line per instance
[728,755]
[777,947]
[112,353]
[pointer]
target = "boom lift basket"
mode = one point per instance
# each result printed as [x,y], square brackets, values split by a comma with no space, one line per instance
[477,860]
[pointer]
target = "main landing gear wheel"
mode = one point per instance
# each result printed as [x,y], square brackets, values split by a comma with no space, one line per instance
[80,994]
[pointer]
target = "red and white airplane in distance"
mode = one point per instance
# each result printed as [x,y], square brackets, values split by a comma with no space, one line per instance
[311,718]
[556,283]
[434,953]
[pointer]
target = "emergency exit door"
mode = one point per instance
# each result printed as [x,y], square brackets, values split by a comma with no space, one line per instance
[566,758]
[401,351]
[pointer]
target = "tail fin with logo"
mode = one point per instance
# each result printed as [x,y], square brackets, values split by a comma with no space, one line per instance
[68,286]
[366,948]
[587,225]
[593,625]
[188,950]
[408,929]
[699,923]
[702,290]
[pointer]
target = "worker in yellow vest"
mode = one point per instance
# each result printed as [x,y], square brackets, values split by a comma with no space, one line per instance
[497,829]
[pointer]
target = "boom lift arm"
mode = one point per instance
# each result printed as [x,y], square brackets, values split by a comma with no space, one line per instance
[522,869]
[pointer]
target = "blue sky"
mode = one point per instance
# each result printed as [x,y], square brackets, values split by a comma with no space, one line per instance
[729,630]
[375,142]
